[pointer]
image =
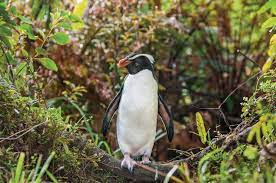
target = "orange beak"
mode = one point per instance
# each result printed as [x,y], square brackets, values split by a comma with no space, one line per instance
[123,63]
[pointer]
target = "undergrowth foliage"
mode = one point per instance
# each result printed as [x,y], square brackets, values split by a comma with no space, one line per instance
[47,132]
[253,161]
[27,124]
[261,106]
[246,161]
[35,130]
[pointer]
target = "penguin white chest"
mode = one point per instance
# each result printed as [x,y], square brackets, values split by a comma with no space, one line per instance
[137,115]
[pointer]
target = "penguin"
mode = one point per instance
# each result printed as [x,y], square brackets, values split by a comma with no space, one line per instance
[138,104]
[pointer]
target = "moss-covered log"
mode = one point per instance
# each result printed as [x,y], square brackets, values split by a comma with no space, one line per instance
[141,173]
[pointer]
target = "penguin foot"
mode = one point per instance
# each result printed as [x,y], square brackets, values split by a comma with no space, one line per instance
[145,160]
[128,163]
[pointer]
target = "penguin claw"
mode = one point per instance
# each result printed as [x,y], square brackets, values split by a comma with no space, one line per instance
[128,163]
[145,160]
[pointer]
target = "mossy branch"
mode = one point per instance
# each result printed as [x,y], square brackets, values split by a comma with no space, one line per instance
[224,142]
[141,173]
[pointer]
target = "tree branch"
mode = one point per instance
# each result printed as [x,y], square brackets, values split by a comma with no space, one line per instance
[225,142]
[141,173]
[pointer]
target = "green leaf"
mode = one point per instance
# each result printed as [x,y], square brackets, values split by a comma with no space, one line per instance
[22,68]
[251,135]
[5,30]
[13,10]
[75,18]
[273,40]
[51,176]
[48,63]
[65,25]
[201,128]
[28,30]
[10,58]
[25,53]
[19,167]
[166,5]
[267,65]
[36,7]
[61,38]
[3,5]
[272,51]
[251,152]
[44,11]
[80,8]
[37,167]
[265,131]
[77,22]
[41,33]
[4,15]
[258,136]
[269,23]
[6,41]
[25,19]
[40,51]
[45,167]
[265,7]
[56,15]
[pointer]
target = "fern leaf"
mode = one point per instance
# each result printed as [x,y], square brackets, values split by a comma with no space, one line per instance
[267,65]
[251,135]
[265,131]
[258,136]
[201,128]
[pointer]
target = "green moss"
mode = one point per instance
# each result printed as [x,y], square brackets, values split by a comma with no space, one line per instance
[42,131]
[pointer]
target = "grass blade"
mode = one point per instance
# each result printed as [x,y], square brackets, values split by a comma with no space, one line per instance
[19,167]
[37,167]
[45,167]
[51,176]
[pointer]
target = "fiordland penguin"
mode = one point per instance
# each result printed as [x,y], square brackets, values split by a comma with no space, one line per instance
[139,105]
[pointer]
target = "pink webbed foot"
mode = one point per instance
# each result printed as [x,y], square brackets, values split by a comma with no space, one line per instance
[128,163]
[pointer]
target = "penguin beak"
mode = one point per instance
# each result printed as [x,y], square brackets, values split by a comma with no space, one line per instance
[123,62]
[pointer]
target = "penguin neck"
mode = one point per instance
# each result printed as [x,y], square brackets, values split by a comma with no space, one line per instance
[139,72]
[142,79]
[132,69]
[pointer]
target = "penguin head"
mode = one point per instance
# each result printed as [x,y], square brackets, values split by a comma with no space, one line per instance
[137,62]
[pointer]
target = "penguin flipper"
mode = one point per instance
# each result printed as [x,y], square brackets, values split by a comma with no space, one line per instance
[166,117]
[111,109]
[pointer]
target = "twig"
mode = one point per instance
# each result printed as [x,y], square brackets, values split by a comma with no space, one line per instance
[11,137]
[250,59]
[224,118]
[224,142]
[229,95]
[238,87]
[92,36]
